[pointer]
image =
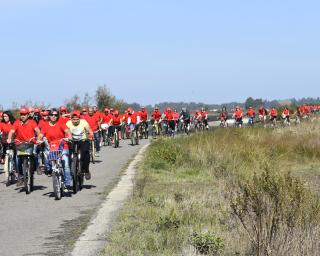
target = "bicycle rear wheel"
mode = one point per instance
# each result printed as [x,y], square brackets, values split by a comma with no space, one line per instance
[116,139]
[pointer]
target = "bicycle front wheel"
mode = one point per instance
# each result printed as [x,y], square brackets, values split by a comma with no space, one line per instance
[57,188]
[27,175]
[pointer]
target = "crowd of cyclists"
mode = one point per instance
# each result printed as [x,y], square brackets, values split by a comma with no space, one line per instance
[62,144]
[267,116]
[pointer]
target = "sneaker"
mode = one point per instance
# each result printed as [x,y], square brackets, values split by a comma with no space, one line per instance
[97,154]
[40,169]
[20,182]
[87,175]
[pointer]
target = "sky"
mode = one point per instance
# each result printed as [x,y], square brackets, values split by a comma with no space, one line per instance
[150,51]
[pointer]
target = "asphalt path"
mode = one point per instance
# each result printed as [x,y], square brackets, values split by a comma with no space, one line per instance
[37,224]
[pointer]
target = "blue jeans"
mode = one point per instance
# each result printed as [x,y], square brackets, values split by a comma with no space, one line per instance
[66,167]
[97,140]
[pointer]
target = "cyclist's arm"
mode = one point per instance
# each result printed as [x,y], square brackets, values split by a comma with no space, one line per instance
[10,134]
[89,131]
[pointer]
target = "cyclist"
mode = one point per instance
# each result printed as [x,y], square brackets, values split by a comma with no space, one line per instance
[238,115]
[105,123]
[286,116]
[263,115]
[168,116]
[185,118]
[94,122]
[64,116]
[273,116]
[251,114]
[5,127]
[133,119]
[45,119]
[223,117]
[81,133]
[115,123]
[144,118]
[37,115]
[204,118]
[25,130]
[156,119]
[55,132]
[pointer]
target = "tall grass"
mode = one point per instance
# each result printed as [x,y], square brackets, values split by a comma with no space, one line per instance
[225,192]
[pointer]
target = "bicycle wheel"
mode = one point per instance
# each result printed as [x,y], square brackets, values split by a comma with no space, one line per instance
[27,175]
[74,173]
[132,136]
[136,137]
[146,132]
[11,172]
[6,168]
[116,139]
[56,185]
[93,151]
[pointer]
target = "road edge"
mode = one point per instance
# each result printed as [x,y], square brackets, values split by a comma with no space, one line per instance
[93,240]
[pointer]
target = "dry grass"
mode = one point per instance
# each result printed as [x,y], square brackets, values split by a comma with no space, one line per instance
[188,185]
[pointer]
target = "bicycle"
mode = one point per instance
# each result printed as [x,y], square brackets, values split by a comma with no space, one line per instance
[77,175]
[25,154]
[92,151]
[116,137]
[55,158]
[134,135]
[144,133]
[9,165]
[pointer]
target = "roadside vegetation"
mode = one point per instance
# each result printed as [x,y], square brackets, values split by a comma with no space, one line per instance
[225,192]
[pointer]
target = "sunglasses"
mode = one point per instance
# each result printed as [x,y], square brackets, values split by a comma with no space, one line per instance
[56,115]
[23,114]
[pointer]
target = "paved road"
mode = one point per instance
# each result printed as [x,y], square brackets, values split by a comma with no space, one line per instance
[36,224]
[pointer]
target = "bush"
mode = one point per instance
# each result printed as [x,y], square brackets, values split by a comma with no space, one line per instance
[276,211]
[170,221]
[207,243]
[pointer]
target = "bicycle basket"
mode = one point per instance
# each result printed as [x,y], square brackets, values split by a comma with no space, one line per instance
[54,155]
[25,149]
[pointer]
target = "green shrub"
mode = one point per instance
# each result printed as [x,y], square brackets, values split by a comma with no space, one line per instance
[170,221]
[207,243]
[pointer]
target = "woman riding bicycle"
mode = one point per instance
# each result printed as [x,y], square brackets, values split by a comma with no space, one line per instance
[5,127]
[55,133]
[81,133]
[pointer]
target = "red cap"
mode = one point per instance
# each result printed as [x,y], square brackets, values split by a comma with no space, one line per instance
[76,113]
[45,113]
[116,112]
[37,110]
[24,111]
[63,108]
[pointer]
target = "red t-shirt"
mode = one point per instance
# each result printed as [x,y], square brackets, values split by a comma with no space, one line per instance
[169,116]
[204,115]
[144,116]
[54,133]
[274,112]
[92,121]
[116,120]
[42,124]
[24,131]
[286,112]
[156,115]
[106,118]
[251,113]
[238,114]
[98,115]
[5,129]
[134,117]
[176,116]
[64,120]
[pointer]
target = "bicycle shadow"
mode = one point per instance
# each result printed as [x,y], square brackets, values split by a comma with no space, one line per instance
[22,189]
[88,186]
[52,195]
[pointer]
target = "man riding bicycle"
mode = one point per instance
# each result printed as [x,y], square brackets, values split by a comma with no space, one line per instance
[24,130]
[156,119]
[94,122]
[238,115]
[251,114]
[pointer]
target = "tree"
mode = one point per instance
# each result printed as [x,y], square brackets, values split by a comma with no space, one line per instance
[104,98]
[73,103]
